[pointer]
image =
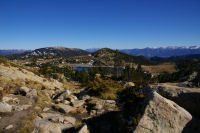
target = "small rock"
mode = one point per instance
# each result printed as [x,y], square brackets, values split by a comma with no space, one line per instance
[78,103]
[65,108]
[130,84]
[43,115]
[66,102]
[83,129]
[9,127]
[45,109]
[25,89]
[4,107]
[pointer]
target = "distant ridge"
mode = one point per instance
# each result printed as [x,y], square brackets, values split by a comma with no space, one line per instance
[163,51]
[55,51]
[7,52]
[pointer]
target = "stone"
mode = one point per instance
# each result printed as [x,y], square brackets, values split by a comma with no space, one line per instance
[46,109]
[63,95]
[43,126]
[43,115]
[83,129]
[184,96]
[66,102]
[32,93]
[129,84]
[9,127]
[65,108]
[53,123]
[4,107]
[69,119]
[162,116]
[25,89]
[78,103]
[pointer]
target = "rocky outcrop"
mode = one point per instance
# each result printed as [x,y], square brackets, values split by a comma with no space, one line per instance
[162,116]
[186,97]
[53,123]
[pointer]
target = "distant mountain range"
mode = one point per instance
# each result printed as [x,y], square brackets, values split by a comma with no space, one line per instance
[160,51]
[175,58]
[163,52]
[13,51]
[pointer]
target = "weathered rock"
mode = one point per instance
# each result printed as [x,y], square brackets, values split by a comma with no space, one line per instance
[129,84]
[83,129]
[63,95]
[46,109]
[69,119]
[44,126]
[66,102]
[4,107]
[188,98]
[162,116]
[65,108]
[9,127]
[78,103]
[53,123]
[25,89]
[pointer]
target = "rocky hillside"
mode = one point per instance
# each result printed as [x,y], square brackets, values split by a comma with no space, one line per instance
[31,103]
[55,51]
[108,57]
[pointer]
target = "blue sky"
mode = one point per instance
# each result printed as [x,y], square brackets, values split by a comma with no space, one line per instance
[31,24]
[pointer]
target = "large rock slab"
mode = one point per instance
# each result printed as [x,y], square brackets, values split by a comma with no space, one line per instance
[186,97]
[162,116]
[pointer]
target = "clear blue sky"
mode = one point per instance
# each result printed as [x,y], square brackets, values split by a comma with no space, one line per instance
[85,24]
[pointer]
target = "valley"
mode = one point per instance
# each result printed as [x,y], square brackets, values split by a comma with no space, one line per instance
[104,91]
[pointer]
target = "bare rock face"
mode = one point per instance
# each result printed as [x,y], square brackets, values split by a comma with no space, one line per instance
[186,97]
[162,116]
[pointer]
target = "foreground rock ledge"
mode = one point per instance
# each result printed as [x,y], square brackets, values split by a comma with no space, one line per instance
[162,116]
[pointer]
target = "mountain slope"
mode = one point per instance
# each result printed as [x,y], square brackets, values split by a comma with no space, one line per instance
[56,51]
[108,56]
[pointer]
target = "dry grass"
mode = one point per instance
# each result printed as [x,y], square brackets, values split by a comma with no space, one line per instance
[105,89]
[160,68]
